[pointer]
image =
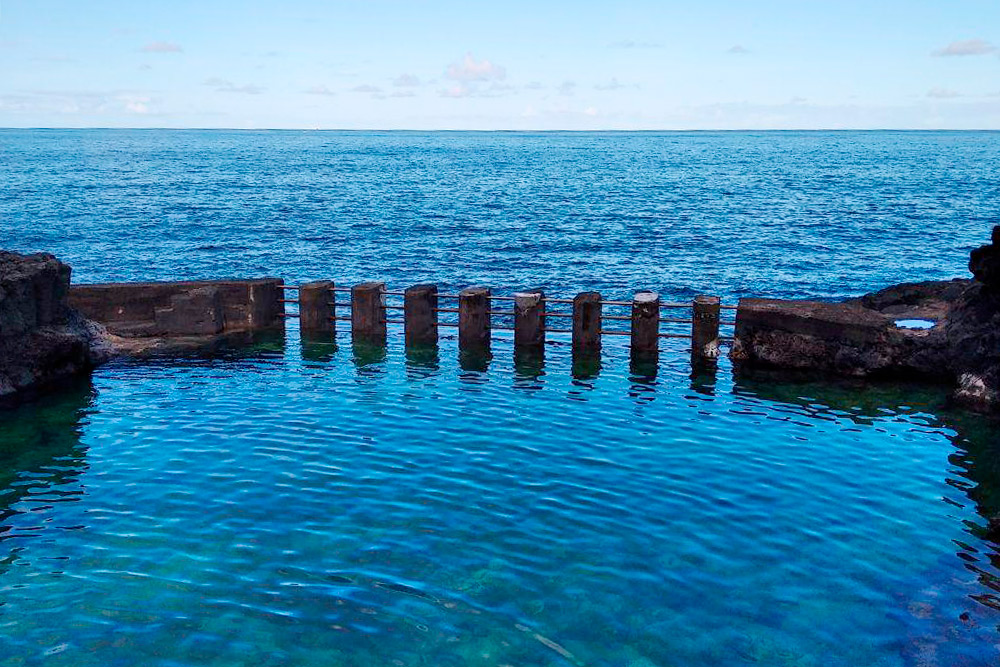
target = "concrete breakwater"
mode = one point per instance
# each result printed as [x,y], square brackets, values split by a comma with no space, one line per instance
[865,337]
[151,317]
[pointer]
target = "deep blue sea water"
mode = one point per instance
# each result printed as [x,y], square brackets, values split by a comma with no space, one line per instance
[316,505]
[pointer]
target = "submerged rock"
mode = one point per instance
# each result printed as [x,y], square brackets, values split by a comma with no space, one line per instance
[42,341]
[862,337]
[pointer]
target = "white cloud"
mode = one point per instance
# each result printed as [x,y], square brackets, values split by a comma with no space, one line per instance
[943,94]
[406,81]
[138,104]
[471,70]
[227,86]
[162,47]
[967,47]
[319,90]
[78,103]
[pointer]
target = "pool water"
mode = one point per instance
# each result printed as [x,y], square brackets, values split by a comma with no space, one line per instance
[310,505]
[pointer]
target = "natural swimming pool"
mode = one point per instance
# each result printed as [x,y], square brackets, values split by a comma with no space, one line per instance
[298,504]
[310,506]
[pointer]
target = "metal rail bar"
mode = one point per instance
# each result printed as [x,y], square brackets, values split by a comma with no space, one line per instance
[446,310]
[293,287]
[616,317]
[616,303]
[615,333]
[675,320]
[505,313]
[289,314]
[288,300]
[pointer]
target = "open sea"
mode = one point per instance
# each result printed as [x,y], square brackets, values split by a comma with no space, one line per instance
[310,504]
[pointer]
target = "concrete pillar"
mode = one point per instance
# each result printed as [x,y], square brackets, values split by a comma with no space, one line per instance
[265,309]
[474,318]
[587,324]
[368,313]
[316,309]
[529,320]
[705,328]
[645,326]
[420,318]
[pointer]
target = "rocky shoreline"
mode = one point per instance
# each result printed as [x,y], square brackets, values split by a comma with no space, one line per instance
[43,342]
[868,337]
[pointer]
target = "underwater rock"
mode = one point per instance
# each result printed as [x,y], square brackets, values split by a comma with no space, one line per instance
[42,341]
[866,338]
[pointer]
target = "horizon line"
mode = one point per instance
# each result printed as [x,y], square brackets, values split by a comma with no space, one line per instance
[504,130]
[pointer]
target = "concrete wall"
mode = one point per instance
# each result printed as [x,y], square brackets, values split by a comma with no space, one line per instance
[199,307]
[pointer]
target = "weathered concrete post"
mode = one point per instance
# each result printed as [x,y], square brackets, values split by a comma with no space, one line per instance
[474,319]
[705,328]
[587,324]
[645,326]
[265,306]
[529,320]
[420,318]
[316,309]
[368,313]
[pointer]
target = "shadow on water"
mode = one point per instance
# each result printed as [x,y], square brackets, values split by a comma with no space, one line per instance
[40,450]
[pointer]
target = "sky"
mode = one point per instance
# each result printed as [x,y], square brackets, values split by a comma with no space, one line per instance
[513,65]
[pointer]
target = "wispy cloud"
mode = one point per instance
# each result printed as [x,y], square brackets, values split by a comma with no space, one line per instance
[943,94]
[566,88]
[737,49]
[615,84]
[366,88]
[967,47]
[319,90]
[460,90]
[162,47]
[227,86]
[406,81]
[471,70]
[74,103]
[630,44]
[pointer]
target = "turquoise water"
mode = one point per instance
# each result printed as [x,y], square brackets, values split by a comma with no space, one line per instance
[320,505]
[294,505]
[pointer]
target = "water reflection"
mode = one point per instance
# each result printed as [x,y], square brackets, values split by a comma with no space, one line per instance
[529,367]
[41,460]
[319,347]
[941,636]
[422,361]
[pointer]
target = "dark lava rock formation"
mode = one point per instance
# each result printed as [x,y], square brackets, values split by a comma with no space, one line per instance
[860,337]
[42,341]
